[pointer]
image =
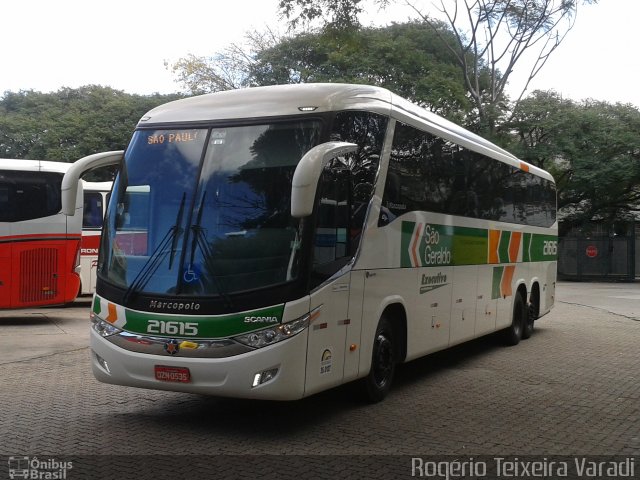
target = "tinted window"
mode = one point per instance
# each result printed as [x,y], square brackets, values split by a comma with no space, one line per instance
[367,130]
[431,174]
[206,211]
[92,210]
[331,249]
[345,190]
[29,195]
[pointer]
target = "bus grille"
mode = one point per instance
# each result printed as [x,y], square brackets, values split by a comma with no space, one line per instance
[38,279]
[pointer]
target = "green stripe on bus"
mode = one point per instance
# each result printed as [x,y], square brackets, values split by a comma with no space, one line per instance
[544,248]
[96,305]
[405,242]
[219,326]
[503,249]
[466,246]
[470,246]
[526,247]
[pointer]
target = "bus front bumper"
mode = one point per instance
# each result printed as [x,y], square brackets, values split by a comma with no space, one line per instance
[234,376]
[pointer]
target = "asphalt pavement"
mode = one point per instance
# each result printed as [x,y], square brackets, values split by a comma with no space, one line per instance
[572,389]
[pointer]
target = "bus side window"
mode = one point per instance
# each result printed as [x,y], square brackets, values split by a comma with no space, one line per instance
[6,204]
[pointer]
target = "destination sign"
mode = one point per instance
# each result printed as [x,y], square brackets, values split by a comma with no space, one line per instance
[178,136]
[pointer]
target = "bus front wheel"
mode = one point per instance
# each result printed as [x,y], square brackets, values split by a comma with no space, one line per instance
[383,363]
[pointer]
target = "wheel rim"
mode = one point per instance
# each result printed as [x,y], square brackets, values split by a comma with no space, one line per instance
[383,364]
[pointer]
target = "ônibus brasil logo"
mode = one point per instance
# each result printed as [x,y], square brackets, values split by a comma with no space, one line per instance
[33,467]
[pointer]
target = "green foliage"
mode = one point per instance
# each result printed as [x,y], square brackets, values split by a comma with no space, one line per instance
[405,58]
[227,70]
[592,148]
[336,14]
[70,123]
[488,39]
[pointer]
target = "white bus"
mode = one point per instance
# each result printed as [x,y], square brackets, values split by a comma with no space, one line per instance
[294,238]
[96,197]
[39,246]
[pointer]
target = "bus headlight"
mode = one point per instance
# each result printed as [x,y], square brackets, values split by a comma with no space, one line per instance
[271,335]
[102,327]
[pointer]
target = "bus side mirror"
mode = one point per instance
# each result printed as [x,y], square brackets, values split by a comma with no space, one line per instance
[79,168]
[308,172]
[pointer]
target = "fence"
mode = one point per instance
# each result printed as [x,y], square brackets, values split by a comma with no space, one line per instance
[601,257]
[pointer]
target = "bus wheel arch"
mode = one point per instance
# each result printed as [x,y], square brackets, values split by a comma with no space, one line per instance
[398,317]
[389,348]
[533,310]
[514,332]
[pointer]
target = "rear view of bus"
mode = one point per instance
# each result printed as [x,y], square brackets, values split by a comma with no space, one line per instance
[39,246]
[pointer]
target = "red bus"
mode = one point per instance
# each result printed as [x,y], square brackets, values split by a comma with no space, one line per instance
[39,246]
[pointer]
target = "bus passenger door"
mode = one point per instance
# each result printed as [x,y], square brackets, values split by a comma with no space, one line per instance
[330,276]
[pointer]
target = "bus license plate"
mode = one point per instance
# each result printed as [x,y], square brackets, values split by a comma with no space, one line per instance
[172,374]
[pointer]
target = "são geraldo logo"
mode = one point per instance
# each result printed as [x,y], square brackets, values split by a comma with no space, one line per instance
[426,245]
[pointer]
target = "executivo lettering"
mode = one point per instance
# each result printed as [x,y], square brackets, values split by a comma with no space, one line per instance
[431,282]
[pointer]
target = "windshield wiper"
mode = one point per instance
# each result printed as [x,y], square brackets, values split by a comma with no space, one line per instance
[158,255]
[174,242]
[200,240]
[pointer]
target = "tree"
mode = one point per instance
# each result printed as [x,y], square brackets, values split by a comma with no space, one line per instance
[498,33]
[229,69]
[70,123]
[376,56]
[336,14]
[492,37]
[383,56]
[592,148]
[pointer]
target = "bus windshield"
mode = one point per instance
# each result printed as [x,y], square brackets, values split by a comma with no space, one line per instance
[198,212]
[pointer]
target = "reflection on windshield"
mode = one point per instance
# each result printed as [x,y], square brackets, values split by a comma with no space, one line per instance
[223,194]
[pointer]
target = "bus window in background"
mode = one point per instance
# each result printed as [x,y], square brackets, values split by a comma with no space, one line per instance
[96,198]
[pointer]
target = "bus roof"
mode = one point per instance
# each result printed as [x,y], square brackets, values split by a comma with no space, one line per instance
[96,186]
[33,165]
[270,101]
[298,99]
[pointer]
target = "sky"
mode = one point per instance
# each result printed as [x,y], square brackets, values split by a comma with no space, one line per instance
[47,45]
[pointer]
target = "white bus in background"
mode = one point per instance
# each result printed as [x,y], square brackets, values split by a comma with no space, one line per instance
[96,198]
[274,242]
[39,246]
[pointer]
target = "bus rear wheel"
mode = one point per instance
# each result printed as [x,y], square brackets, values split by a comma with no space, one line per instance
[383,363]
[533,310]
[513,334]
